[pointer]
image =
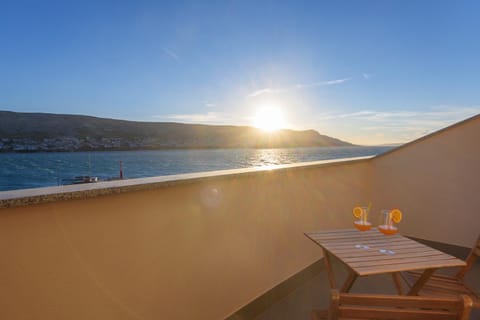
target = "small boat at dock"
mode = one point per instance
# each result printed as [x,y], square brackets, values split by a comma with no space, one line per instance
[91,179]
[80,179]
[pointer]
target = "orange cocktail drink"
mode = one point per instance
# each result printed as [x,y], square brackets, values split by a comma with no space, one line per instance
[361,213]
[362,226]
[391,216]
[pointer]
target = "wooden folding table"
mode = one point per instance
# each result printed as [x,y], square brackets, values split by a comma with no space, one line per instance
[371,252]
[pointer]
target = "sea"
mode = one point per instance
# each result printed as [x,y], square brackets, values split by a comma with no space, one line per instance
[35,170]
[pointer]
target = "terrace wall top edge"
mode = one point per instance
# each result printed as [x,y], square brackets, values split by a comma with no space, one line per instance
[26,197]
[430,135]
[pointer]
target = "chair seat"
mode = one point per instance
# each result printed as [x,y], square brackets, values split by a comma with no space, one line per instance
[442,285]
[319,314]
[323,315]
[347,306]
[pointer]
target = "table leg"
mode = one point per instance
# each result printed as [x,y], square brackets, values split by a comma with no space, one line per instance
[349,282]
[421,281]
[398,282]
[328,266]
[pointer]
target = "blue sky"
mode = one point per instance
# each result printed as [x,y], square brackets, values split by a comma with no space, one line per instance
[368,72]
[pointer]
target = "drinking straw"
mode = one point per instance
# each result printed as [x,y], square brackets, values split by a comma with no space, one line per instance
[366,212]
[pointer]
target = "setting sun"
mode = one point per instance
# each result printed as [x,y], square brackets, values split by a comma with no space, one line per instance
[269,118]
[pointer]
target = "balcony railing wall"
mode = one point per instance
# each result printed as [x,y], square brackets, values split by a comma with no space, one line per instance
[198,250]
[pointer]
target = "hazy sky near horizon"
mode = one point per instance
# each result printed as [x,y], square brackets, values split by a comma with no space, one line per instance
[369,72]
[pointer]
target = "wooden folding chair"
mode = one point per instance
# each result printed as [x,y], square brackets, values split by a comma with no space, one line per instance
[348,306]
[448,286]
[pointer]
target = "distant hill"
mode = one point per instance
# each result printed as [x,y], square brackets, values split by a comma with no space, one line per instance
[59,132]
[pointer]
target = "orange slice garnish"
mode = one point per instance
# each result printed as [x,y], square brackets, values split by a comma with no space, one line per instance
[357,212]
[396,215]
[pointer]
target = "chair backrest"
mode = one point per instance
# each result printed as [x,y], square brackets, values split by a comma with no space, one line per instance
[474,254]
[388,307]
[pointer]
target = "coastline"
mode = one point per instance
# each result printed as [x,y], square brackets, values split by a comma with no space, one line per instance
[183,148]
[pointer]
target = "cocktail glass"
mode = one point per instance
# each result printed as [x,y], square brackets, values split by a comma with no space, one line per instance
[362,224]
[387,228]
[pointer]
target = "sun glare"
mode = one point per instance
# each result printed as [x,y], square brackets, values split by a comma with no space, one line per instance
[269,118]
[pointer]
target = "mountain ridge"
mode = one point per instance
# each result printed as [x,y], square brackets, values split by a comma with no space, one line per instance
[65,132]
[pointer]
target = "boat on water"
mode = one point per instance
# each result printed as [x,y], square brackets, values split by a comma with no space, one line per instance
[91,179]
[80,179]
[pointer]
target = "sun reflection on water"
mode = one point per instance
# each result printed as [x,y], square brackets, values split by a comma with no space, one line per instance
[268,158]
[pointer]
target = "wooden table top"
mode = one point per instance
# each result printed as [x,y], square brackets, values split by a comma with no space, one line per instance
[372,252]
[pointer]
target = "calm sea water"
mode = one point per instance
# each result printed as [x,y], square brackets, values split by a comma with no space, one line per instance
[33,170]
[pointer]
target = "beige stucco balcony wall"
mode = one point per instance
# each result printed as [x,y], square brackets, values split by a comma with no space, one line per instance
[199,249]
[436,182]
